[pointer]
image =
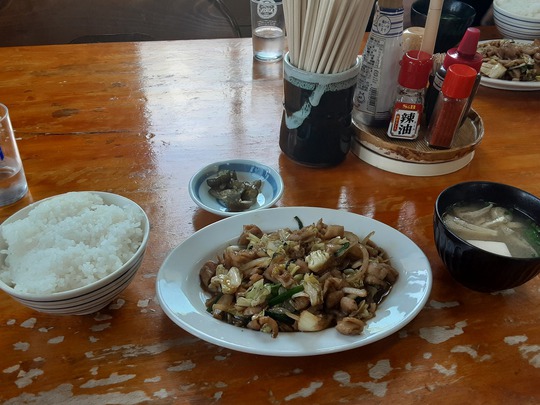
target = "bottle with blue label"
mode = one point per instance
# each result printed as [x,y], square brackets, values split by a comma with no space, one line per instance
[377,80]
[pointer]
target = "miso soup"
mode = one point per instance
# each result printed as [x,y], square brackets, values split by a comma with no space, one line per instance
[491,227]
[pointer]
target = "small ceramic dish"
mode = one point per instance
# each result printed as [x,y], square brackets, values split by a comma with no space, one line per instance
[246,170]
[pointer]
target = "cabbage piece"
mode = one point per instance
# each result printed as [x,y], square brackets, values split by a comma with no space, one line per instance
[493,69]
[227,280]
[255,295]
[317,259]
[313,288]
[309,322]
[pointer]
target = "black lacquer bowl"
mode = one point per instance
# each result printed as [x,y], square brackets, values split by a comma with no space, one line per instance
[471,266]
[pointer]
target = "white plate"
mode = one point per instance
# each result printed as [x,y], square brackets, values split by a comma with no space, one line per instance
[508,84]
[182,299]
[246,170]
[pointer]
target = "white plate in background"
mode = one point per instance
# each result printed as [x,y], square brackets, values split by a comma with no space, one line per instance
[508,84]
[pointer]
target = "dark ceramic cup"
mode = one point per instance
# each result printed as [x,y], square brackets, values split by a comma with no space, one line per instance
[456,17]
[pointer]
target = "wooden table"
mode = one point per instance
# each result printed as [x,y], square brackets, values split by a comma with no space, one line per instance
[139,119]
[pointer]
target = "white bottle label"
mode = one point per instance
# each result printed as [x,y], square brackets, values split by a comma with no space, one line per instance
[405,121]
[377,79]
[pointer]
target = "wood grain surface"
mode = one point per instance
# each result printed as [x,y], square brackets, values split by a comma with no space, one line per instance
[139,119]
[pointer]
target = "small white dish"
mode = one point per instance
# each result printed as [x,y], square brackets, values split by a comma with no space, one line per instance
[183,300]
[246,170]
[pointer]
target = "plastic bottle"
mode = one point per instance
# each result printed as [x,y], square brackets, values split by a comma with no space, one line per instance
[412,80]
[412,38]
[377,80]
[465,54]
[450,105]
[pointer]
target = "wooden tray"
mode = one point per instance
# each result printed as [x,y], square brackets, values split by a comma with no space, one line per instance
[418,151]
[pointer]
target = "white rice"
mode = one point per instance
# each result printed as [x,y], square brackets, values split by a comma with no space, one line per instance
[524,8]
[68,242]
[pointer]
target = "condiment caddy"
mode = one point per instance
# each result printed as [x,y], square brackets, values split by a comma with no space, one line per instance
[432,129]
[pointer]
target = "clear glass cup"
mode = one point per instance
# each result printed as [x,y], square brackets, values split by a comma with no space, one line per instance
[13,185]
[268,30]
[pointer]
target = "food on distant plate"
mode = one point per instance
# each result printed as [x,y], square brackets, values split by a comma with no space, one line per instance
[236,195]
[307,280]
[67,242]
[507,59]
[494,228]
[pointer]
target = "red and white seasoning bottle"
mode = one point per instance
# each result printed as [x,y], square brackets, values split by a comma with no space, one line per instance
[450,106]
[413,77]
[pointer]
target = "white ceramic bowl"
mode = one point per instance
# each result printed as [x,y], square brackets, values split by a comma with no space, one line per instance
[246,170]
[514,26]
[95,296]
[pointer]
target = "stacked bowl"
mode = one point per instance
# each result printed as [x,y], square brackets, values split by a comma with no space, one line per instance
[517,22]
[89,298]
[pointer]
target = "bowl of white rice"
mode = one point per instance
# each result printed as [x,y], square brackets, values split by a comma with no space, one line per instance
[517,19]
[72,253]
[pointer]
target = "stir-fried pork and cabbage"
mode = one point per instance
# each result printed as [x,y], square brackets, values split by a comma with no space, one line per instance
[309,279]
[509,60]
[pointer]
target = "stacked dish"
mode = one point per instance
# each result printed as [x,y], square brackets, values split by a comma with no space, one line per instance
[517,20]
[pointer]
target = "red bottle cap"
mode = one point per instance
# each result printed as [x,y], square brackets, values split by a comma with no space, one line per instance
[459,81]
[415,69]
[465,53]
